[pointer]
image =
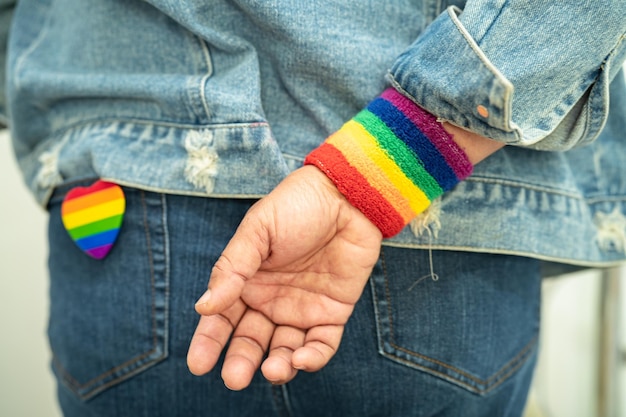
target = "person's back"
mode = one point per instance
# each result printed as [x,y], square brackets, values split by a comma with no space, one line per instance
[194,107]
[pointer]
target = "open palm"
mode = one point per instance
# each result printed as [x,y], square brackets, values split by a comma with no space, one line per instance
[286,283]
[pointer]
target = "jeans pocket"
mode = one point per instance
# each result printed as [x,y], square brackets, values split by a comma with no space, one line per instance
[109,317]
[470,319]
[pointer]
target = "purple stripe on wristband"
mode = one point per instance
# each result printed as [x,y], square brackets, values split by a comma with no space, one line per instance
[428,124]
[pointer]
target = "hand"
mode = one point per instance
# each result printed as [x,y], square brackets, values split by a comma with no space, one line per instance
[285,284]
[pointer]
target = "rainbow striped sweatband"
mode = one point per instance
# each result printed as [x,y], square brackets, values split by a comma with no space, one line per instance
[391,161]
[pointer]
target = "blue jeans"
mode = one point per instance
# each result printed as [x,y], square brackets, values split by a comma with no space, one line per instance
[463,344]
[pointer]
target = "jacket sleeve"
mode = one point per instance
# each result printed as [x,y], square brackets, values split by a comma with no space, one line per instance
[6,13]
[528,73]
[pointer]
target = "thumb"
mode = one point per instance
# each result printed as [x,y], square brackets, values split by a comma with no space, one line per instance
[239,261]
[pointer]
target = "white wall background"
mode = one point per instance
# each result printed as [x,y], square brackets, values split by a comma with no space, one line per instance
[26,384]
[564,383]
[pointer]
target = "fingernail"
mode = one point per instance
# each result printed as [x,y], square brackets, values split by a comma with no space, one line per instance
[205,298]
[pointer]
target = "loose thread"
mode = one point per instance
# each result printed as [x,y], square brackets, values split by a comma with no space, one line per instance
[432,275]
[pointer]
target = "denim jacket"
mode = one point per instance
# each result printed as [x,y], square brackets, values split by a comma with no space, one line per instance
[224,98]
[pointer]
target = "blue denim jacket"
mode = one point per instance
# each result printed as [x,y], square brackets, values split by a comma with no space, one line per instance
[223,99]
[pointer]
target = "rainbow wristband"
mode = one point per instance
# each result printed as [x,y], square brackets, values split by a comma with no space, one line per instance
[391,161]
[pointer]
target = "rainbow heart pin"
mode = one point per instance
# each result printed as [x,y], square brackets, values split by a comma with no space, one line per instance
[93,215]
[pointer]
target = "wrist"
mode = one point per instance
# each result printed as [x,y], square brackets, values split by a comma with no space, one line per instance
[476,147]
[391,160]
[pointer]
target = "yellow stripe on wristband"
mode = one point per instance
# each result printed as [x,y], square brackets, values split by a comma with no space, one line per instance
[354,155]
[413,194]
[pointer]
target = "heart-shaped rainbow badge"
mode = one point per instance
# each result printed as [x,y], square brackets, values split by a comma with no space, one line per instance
[93,216]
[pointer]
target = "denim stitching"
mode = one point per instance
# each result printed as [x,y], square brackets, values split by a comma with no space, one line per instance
[515,363]
[146,227]
[166,251]
[76,385]
[388,297]
[485,382]
[458,381]
[203,82]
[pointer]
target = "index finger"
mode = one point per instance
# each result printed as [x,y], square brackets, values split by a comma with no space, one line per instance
[239,261]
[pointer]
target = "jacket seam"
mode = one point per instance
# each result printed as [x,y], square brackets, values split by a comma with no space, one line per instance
[149,122]
[203,82]
[508,86]
[501,251]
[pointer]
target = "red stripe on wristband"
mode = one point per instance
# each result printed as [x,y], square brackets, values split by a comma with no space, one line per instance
[357,190]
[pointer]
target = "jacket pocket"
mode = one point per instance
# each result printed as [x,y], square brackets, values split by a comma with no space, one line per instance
[108,318]
[472,320]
